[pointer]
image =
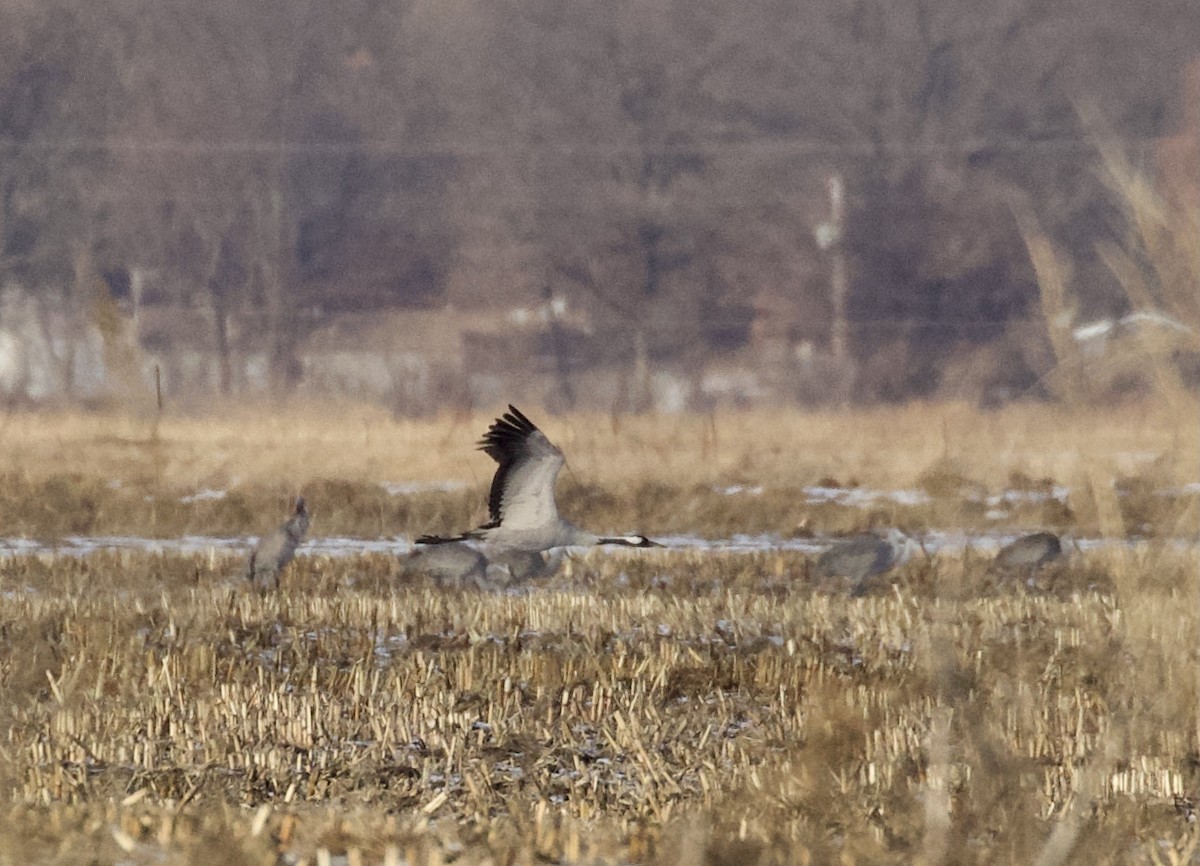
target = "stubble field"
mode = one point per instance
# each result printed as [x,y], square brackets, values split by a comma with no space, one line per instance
[702,704]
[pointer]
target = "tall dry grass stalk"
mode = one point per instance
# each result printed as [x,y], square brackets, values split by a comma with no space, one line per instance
[1058,310]
[1156,262]
[1158,267]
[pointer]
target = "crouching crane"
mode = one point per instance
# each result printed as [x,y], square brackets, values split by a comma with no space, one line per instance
[865,556]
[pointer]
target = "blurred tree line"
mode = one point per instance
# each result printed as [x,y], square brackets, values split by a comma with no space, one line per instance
[658,164]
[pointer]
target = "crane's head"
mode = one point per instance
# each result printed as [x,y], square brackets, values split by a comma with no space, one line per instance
[904,547]
[298,523]
[630,541]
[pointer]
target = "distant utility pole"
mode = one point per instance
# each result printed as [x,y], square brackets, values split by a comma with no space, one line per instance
[829,239]
[554,307]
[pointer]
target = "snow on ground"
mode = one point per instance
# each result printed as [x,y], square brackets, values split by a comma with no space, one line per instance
[935,541]
[854,497]
[203,495]
[405,488]
[862,497]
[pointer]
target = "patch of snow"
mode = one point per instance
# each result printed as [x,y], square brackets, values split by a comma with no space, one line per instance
[934,541]
[1192,488]
[861,497]
[739,543]
[907,497]
[1016,497]
[405,488]
[1093,330]
[341,546]
[1138,456]
[203,495]
[736,489]
[1155,318]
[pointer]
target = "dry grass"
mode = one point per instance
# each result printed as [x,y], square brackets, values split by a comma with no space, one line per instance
[93,474]
[886,447]
[673,707]
[670,708]
[1155,260]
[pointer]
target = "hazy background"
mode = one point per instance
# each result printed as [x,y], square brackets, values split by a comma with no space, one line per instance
[617,205]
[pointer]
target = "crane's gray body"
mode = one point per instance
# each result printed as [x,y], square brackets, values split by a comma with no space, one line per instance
[533,539]
[275,550]
[523,515]
[1029,552]
[865,556]
[458,565]
[526,564]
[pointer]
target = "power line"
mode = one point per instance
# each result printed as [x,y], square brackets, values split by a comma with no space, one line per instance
[458,149]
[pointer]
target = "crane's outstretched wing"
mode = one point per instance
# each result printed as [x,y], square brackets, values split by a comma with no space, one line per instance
[522,494]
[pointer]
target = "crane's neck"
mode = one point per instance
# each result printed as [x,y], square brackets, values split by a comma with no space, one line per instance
[296,527]
[573,536]
[903,547]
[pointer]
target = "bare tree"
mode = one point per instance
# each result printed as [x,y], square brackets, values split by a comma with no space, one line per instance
[60,95]
[637,207]
[280,160]
[276,136]
[938,114]
[666,145]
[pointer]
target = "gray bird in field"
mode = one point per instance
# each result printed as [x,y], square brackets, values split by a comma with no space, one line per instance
[454,565]
[527,564]
[1029,552]
[521,508]
[459,565]
[274,551]
[865,556]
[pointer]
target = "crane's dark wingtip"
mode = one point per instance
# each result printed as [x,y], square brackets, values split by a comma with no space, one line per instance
[506,434]
[519,416]
[514,417]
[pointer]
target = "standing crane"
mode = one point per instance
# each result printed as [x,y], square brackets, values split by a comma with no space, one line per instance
[274,551]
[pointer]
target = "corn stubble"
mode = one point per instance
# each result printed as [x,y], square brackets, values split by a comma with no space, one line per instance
[679,708]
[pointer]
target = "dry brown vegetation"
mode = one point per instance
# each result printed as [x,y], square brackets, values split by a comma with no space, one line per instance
[673,707]
[676,707]
[98,474]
